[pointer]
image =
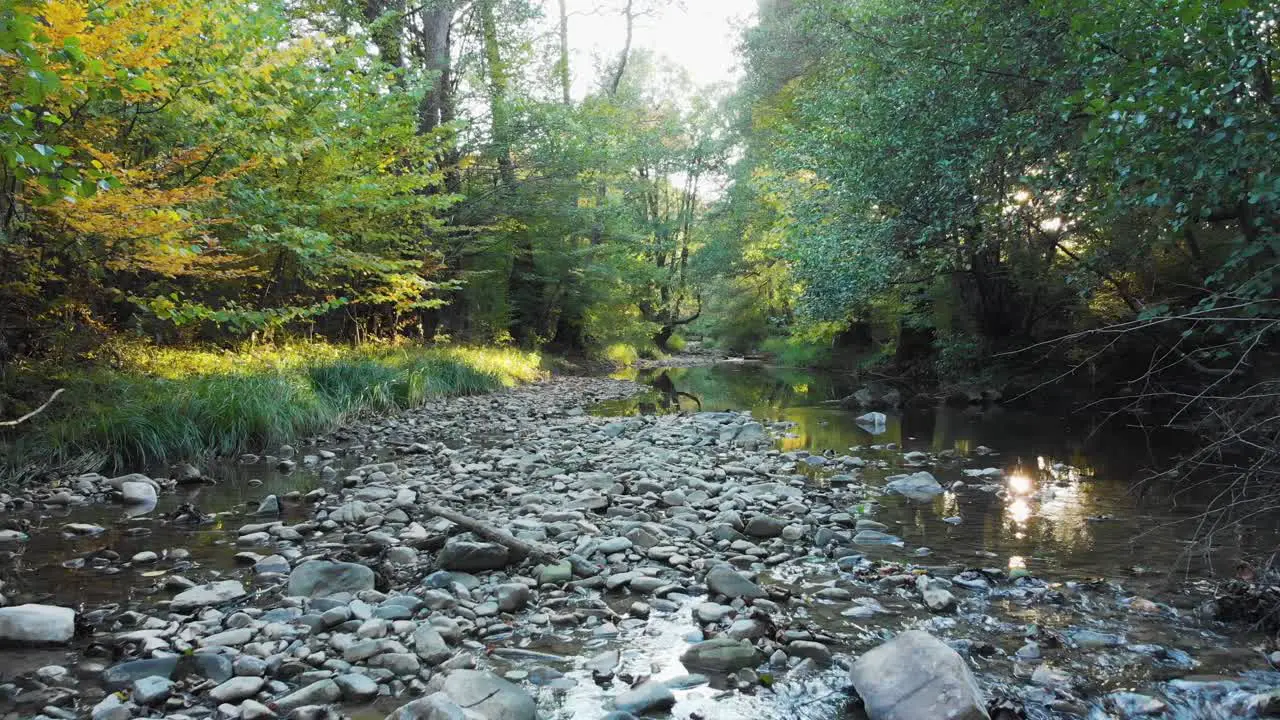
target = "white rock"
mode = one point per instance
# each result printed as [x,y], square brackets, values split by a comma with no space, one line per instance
[38,624]
[138,493]
[207,594]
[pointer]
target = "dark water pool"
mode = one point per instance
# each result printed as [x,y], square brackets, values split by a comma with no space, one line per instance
[1076,499]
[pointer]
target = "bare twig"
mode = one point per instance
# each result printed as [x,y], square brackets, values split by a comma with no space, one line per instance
[33,413]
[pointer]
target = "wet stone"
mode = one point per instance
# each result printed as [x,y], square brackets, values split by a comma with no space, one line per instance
[472,556]
[726,581]
[720,655]
[321,578]
[649,697]
[916,676]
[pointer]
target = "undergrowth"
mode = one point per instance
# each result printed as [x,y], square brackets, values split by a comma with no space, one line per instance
[142,406]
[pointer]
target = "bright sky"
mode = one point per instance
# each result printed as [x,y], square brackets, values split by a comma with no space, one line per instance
[700,35]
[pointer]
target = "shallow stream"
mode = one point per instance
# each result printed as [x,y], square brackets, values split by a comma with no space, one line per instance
[1066,509]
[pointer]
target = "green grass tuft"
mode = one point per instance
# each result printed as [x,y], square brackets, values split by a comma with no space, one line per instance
[164,405]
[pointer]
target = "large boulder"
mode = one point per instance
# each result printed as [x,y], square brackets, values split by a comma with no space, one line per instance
[720,655]
[37,625]
[921,486]
[472,556]
[726,581]
[322,578]
[208,594]
[914,676]
[489,696]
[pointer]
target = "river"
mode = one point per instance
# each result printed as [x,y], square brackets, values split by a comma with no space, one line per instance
[1108,571]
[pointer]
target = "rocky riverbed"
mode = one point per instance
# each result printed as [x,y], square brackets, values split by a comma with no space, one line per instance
[682,565]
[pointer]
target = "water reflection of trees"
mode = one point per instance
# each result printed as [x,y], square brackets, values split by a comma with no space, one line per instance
[1090,474]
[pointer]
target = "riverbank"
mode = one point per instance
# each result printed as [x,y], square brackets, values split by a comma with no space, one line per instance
[143,406]
[692,567]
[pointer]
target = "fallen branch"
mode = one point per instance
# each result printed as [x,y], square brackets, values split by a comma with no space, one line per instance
[33,413]
[522,548]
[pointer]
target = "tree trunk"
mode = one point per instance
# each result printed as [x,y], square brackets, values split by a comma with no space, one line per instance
[498,83]
[434,49]
[562,68]
[626,51]
[436,108]
[663,336]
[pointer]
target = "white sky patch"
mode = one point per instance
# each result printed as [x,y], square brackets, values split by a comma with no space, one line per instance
[699,35]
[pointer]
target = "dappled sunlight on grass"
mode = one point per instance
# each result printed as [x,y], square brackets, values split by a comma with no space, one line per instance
[158,405]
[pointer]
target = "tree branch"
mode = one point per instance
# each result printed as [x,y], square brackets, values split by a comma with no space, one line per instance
[33,413]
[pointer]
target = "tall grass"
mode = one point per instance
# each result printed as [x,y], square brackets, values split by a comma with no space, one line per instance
[165,405]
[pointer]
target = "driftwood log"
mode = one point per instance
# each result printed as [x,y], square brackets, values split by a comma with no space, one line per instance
[521,548]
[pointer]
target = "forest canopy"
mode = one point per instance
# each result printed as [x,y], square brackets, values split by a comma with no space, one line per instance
[934,184]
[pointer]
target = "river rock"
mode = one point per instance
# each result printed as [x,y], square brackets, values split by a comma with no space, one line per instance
[764,526]
[725,580]
[512,596]
[237,689]
[151,690]
[614,545]
[207,594]
[277,564]
[1131,705]
[436,706]
[815,651]
[37,625]
[603,666]
[489,696]
[187,474]
[1086,639]
[227,638]
[254,710]
[720,655]
[138,493]
[215,667]
[112,707]
[356,687]
[920,487]
[430,644]
[471,556]
[1051,677]
[321,692]
[874,395]
[13,537]
[270,505]
[916,676]
[649,697]
[875,537]
[322,578]
[556,573]
[83,529]
[709,612]
[750,435]
[874,419]
[118,677]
